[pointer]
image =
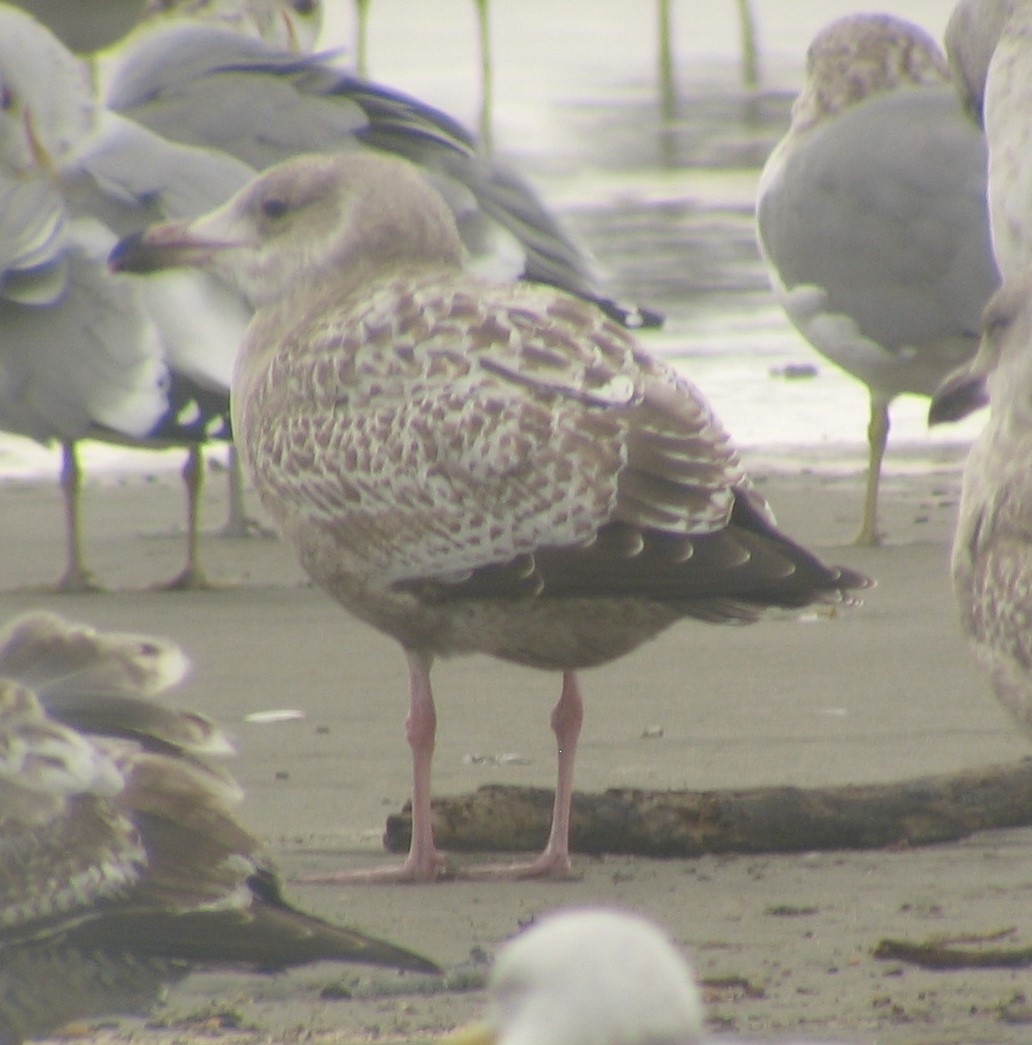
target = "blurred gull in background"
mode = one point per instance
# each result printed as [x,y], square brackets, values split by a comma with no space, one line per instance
[84,355]
[872,218]
[191,109]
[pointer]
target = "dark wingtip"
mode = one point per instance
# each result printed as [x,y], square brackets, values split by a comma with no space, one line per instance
[852,580]
[633,317]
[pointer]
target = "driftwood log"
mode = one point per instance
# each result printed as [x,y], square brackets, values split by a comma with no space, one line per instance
[921,811]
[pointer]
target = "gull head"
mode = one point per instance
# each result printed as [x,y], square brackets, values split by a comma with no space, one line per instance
[304,222]
[859,56]
[591,976]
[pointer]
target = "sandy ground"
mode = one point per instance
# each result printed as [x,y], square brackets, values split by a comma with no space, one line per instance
[879,693]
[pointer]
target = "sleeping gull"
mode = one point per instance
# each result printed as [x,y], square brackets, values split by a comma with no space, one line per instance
[472,466]
[872,218]
[122,863]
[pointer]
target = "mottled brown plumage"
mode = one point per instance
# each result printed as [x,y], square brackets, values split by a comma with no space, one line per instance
[123,865]
[992,547]
[468,466]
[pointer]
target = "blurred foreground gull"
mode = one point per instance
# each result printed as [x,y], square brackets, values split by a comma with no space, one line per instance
[591,976]
[992,549]
[122,863]
[472,466]
[872,218]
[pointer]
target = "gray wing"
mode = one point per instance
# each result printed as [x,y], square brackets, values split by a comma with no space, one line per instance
[83,352]
[34,235]
[879,214]
[115,378]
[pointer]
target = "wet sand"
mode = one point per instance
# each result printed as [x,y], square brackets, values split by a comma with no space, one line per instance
[878,693]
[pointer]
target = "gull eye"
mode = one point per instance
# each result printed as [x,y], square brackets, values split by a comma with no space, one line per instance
[274,208]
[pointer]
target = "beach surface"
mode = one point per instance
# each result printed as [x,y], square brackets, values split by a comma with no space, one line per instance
[881,692]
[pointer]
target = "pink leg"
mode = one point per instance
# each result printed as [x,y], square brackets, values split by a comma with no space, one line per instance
[421,730]
[554,861]
[424,861]
[567,718]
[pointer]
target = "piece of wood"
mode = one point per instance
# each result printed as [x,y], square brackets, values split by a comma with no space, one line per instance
[940,954]
[921,811]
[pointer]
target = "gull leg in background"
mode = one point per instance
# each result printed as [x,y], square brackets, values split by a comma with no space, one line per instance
[192,576]
[486,74]
[877,438]
[76,579]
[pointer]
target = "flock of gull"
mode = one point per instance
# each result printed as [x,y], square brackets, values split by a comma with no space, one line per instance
[208,231]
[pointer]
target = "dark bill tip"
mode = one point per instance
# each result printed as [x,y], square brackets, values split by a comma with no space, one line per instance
[959,395]
[132,254]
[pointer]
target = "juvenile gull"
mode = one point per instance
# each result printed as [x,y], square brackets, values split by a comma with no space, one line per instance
[123,865]
[472,466]
[992,554]
[872,218]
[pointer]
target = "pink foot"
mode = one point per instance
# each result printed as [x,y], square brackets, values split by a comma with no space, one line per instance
[413,871]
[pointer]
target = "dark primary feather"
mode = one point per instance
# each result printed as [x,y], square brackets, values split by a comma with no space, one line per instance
[123,865]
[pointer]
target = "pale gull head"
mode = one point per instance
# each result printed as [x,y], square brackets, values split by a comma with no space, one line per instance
[594,977]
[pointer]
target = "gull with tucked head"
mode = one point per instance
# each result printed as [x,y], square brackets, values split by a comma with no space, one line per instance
[472,466]
[872,220]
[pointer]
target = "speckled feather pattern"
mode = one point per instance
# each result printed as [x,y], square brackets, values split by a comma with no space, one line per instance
[122,863]
[447,455]
[992,549]
[438,426]
[472,465]
[858,57]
